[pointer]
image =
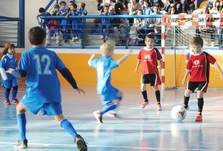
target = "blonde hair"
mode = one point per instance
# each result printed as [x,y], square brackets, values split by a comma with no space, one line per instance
[105,48]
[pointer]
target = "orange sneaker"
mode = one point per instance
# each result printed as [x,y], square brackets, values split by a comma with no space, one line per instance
[158,107]
[198,117]
[144,104]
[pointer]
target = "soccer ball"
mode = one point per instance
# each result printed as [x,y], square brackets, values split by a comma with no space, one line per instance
[178,113]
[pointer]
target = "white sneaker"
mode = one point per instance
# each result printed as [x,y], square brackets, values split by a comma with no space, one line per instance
[98,116]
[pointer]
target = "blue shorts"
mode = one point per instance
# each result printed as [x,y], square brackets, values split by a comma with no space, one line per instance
[10,83]
[37,107]
[112,94]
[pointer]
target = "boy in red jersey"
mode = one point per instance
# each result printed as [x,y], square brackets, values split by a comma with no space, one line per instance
[198,67]
[149,56]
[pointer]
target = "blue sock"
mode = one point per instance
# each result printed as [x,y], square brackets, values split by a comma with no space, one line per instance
[21,120]
[14,92]
[108,107]
[67,126]
[7,92]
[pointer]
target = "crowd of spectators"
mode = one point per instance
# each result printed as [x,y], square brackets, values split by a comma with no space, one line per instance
[122,30]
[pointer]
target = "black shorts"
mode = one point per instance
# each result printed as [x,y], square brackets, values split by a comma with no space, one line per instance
[200,86]
[149,79]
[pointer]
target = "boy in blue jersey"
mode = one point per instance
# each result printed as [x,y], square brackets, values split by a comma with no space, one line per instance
[9,81]
[39,66]
[104,66]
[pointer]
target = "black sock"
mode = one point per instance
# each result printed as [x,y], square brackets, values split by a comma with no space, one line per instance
[157,93]
[200,104]
[186,100]
[144,94]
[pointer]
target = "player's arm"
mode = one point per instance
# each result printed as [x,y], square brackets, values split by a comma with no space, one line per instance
[137,65]
[16,73]
[187,73]
[91,58]
[124,58]
[68,76]
[216,65]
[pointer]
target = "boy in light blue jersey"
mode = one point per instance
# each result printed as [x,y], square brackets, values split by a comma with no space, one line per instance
[104,66]
[39,66]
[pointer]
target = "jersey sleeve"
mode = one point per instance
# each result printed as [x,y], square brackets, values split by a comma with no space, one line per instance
[211,59]
[93,62]
[3,62]
[159,56]
[59,65]
[113,64]
[23,63]
[189,65]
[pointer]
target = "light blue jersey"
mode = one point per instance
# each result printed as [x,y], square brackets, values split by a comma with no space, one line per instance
[42,83]
[104,66]
[8,61]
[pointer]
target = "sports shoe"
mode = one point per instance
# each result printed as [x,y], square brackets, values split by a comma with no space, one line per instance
[98,116]
[198,117]
[15,101]
[22,144]
[81,144]
[158,107]
[144,104]
[7,102]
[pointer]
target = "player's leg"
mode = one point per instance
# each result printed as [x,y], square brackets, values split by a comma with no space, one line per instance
[6,94]
[157,94]
[7,88]
[14,90]
[191,86]
[68,127]
[109,106]
[21,120]
[202,88]
[143,82]
[117,101]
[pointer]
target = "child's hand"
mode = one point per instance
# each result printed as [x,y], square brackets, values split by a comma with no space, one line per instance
[10,71]
[93,56]
[80,91]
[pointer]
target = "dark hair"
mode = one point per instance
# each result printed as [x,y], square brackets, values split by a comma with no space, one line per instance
[150,35]
[197,40]
[41,10]
[37,35]
[8,46]
[62,2]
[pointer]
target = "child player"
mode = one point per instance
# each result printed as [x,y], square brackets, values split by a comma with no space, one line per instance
[149,56]
[197,68]
[43,95]
[104,66]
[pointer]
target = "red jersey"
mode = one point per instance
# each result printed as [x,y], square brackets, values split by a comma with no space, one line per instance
[199,66]
[149,58]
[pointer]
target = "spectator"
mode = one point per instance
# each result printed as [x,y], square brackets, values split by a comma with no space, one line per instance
[42,22]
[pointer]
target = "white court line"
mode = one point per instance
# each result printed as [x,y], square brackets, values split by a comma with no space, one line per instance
[33,145]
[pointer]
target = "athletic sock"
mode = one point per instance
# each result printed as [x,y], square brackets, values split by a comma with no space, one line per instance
[67,126]
[21,120]
[186,101]
[200,104]
[14,92]
[108,107]
[157,93]
[144,94]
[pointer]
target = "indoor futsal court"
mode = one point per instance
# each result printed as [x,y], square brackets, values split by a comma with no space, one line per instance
[134,130]
[83,41]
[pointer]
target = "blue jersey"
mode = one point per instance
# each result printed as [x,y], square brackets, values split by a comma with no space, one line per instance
[104,66]
[42,83]
[8,61]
